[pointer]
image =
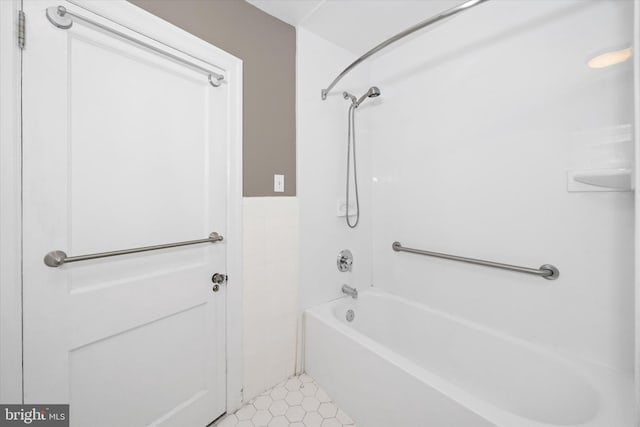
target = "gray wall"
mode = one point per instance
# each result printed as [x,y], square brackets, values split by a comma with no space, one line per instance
[267,47]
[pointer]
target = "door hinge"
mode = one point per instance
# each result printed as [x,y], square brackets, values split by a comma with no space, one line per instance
[21,29]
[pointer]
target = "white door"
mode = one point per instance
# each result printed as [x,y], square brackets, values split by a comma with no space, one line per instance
[123,147]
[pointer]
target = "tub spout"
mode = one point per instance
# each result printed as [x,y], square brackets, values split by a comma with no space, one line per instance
[348,290]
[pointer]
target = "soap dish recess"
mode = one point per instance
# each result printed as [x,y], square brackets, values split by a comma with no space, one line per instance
[600,180]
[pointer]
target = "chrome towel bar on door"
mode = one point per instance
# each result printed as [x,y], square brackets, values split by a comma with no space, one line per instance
[58,258]
[62,18]
[547,271]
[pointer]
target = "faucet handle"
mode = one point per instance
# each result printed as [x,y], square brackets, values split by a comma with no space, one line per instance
[345,260]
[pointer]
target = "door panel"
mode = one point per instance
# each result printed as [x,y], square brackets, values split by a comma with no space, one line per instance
[112,363]
[148,116]
[123,148]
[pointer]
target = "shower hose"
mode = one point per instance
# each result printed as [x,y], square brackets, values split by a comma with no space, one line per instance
[351,142]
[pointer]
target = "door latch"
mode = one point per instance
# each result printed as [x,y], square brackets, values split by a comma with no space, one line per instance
[218,279]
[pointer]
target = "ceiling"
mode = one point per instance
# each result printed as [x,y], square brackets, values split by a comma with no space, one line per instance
[356,25]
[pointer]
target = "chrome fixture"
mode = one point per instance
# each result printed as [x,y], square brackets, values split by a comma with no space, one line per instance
[345,260]
[427,22]
[347,95]
[373,92]
[350,315]
[218,279]
[348,290]
[58,258]
[60,17]
[546,271]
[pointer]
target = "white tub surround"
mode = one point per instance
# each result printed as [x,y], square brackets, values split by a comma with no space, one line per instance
[322,169]
[270,291]
[322,158]
[473,140]
[403,364]
[468,151]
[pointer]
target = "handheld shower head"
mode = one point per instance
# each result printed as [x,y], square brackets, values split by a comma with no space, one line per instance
[373,92]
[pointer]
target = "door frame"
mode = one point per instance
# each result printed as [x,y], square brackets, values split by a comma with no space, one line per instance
[636,97]
[141,21]
[10,206]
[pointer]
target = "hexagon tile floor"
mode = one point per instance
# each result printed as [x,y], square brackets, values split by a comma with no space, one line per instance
[297,402]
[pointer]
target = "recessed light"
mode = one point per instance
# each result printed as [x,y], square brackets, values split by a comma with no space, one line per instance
[608,59]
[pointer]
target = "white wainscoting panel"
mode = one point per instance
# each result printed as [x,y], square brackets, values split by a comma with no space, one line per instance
[270,291]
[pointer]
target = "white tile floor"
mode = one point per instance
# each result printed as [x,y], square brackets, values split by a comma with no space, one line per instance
[297,402]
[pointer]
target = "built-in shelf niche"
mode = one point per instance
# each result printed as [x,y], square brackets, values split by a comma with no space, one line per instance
[600,180]
[601,159]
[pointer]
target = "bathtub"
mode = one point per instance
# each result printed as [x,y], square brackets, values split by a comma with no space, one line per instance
[402,364]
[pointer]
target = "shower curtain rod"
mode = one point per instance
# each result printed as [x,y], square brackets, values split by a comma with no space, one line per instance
[443,15]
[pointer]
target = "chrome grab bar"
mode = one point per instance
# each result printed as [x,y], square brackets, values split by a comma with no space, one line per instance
[62,18]
[546,271]
[420,25]
[58,258]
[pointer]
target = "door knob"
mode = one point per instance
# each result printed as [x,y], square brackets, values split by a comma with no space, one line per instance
[218,279]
